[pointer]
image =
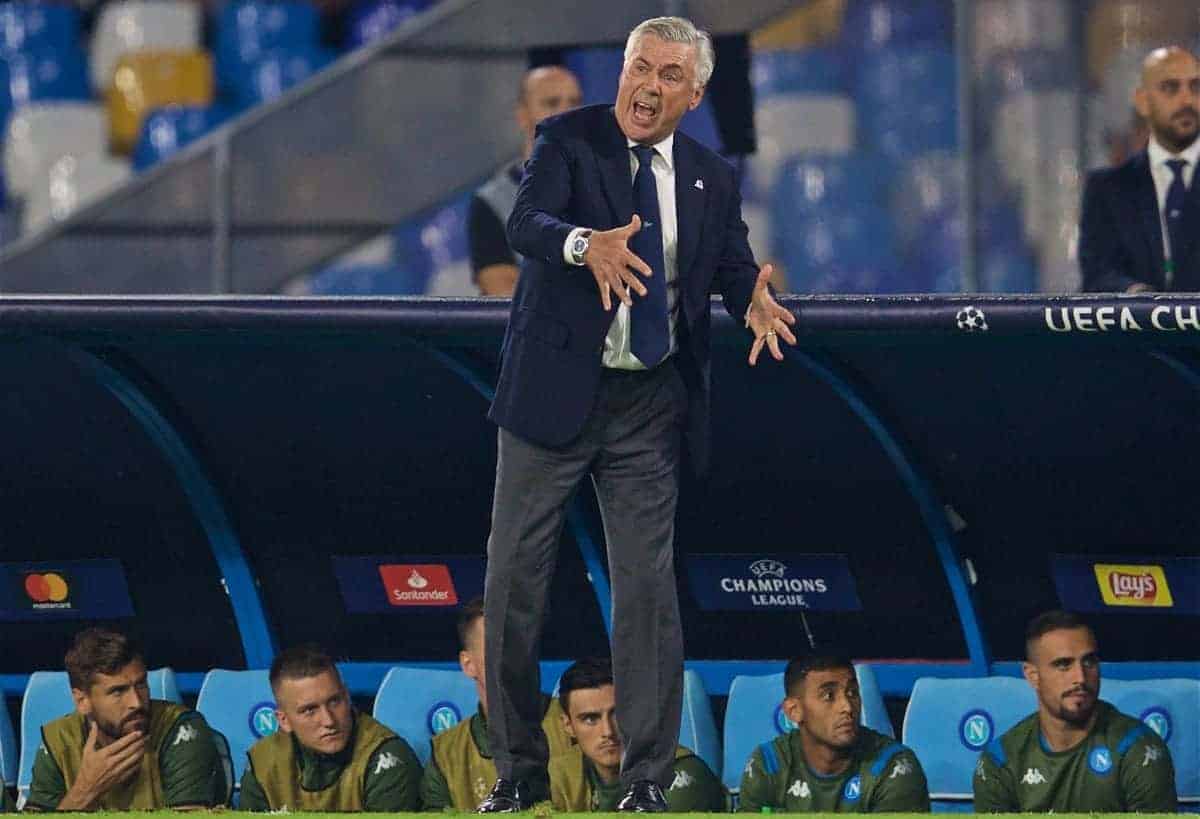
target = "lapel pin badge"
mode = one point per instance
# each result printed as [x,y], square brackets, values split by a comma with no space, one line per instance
[699,185]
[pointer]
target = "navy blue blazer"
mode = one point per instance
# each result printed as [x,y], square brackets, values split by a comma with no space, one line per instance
[579,176]
[1120,232]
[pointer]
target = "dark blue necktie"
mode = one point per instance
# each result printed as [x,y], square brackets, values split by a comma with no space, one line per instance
[648,326]
[1173,212]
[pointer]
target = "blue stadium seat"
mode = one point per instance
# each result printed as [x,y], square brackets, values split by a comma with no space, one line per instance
[166,130]
[1172,709]
[45,74]
[804,71]
[697,726]
[277,71]
[417,703]
[948,722]
[433,244]
[26,26]
[846,249]
[249,30]
[1028,69]
[875,24]
[371,19]
[754,715]
[241,706]
[811,184]
[907,101]
[48,697]
[8,749]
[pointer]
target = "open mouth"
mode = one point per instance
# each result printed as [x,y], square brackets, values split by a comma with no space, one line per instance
[644,113]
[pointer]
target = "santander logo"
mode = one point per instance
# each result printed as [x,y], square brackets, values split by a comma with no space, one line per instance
[1133,586]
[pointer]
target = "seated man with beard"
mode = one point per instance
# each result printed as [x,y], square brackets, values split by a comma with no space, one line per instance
[830,763]
[1076,753]
[121,750]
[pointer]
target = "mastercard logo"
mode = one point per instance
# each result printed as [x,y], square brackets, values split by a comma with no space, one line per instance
[46,588]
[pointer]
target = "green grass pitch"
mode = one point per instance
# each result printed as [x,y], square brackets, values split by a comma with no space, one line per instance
[538,813]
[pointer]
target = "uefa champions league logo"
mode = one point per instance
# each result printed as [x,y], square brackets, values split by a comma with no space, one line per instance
[976,729]
[971,319]
[262,720]
[443,715]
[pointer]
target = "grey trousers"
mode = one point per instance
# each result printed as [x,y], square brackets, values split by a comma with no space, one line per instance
[630,446]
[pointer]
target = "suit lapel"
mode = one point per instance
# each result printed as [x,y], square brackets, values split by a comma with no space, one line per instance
[612,155]
[1146,202]
[690,203]
[1191,220]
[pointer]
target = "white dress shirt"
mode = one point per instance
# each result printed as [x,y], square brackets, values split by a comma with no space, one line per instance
[617,353]
[1163,176]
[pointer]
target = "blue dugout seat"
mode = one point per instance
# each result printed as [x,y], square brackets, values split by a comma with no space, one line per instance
[754,715]
[697,726]
[8,751]
[1171,708]
[417,703]
[948,722]
[240,705]
[48,697]
[248,30]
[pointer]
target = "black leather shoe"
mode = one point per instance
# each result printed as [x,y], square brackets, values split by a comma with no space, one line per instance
[643,796]
[507,796]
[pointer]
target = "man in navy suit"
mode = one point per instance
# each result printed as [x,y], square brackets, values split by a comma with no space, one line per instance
[1140,226]
[624,227]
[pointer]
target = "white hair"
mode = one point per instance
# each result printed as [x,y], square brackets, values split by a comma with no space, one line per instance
[678,30]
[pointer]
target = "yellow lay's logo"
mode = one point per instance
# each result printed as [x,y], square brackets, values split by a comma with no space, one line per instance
[1133,585]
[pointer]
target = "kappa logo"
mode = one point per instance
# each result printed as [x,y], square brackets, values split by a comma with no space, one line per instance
[1157,720]
[903,768]
[853,789]
[1100,761]
[386,762]
[262,719]
[443,715]
[682,780]
[1033,776]
[482,788]
[976,728]
[768,568]
[1152,755]
[981,771]
[800,789]
[186,734]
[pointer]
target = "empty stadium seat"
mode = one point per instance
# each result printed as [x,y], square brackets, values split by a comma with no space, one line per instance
[248,30]
[30,25]
[1171,708]
[371,19]
[697,726]
[791,124]
[810,184]
[433,242]
[69,184]
[272,75]
[48,697]
[45,74]
[875,24]
[8,749]
[241,706]
[152,79]
[754,715]
[948,722]
[166,130]
[41,134]
[802,71]
[1002,25]
[141,25]
[846,249]
[417,703]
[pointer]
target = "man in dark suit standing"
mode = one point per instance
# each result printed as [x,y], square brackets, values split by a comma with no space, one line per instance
[616,210]
[1140,226]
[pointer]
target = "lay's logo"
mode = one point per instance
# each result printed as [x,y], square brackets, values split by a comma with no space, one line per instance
[1122,585]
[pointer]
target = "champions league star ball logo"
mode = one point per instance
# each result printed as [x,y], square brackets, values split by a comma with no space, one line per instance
[971,318]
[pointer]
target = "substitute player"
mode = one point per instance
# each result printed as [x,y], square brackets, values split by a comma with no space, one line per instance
[830,763]
[326,756]
[588,776]
[1077,753]
[121,750]
[461,771]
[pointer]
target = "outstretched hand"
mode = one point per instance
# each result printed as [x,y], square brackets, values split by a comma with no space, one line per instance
[613,264]
[768,320]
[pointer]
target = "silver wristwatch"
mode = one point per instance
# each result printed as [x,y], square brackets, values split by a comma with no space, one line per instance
[579,247]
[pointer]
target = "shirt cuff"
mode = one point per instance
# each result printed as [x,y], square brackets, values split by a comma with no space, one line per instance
[571,237]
